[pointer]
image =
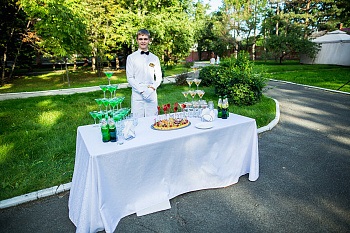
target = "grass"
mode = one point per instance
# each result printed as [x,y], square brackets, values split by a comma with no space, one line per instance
[53,80]
[326,76]
[35,154]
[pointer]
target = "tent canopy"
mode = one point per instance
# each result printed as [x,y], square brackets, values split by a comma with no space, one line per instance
[335,49]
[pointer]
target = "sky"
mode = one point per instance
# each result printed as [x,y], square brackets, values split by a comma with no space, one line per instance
[214,4]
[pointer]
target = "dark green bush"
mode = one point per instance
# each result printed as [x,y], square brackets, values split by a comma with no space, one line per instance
[208,75]
[236,79]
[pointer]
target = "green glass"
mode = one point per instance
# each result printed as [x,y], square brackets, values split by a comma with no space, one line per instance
[111,89]
[94,115]
[113,102]
[115,89]
[99,102]
[109,75]
[118,117]
[99,115]
[105,102]
[104,89]
[121,99]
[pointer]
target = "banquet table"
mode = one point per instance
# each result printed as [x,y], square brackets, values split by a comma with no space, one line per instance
[111,181]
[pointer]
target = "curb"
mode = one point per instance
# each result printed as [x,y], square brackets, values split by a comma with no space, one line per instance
[34,195]
[65,187]
[313,87]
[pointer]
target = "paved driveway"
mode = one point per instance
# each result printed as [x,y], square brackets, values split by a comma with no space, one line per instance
[304,183]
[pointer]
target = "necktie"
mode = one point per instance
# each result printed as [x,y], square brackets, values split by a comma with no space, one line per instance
[143,52]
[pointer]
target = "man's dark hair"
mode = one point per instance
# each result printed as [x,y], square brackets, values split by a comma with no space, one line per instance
[143,32]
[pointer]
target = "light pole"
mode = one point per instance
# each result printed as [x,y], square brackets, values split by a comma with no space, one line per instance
[237,40]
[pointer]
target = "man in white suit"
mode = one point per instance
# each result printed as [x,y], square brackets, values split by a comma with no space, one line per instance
[144,75]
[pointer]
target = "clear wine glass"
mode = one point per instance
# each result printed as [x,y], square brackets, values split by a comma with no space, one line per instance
[197,82]
[185,93]
[189,82]
[200,93]
[193,94]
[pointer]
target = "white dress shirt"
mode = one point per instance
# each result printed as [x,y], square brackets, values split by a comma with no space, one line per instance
[142,72]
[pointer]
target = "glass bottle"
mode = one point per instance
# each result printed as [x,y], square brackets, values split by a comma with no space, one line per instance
[220,107]
[112,130]
[224,108]
[105,130]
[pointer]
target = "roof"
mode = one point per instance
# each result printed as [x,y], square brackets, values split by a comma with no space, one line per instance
[333,37]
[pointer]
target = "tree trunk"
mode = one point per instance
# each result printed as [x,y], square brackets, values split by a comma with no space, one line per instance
[4,61]
[66,65]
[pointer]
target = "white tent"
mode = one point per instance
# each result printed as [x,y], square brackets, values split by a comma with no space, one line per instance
[335,49]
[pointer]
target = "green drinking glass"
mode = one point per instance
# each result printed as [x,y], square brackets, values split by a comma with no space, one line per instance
[104,89]
[105,102]
[109,75]
[99,115]
[99,102]
[93,114]
[113,102]
[115,89]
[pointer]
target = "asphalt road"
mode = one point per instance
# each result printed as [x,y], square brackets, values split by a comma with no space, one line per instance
[303,185]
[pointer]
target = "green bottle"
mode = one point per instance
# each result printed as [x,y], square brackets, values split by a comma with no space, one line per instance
[224,114]
[220,107]
[112,130]
[105,130]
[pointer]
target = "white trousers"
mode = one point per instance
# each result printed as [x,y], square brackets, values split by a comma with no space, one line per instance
[144,108]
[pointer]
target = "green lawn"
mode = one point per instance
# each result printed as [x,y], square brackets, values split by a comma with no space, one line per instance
[35,154]
[326,76]
[37,135]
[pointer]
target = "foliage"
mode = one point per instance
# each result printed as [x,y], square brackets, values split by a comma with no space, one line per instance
[208,75]
[58,25]
[279,46]
[236,79]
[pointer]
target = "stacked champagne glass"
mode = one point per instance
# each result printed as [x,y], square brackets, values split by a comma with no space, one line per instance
[194,107]
[110,106]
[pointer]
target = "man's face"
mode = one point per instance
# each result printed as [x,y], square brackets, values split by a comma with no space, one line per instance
[143,41]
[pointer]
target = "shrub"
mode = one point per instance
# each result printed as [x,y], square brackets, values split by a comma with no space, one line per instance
[236,79]
[208,75]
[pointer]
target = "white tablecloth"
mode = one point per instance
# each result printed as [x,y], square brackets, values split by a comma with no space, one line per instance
[111,181]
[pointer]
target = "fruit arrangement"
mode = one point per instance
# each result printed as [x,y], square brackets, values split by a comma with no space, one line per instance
[170,124]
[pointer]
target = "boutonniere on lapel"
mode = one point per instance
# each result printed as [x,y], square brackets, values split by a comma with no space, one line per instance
[151,65]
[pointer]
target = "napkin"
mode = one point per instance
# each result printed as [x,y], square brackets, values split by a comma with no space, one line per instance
[129,130]
[208,115]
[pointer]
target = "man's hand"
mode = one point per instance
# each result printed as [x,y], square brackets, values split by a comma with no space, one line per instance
[147,93]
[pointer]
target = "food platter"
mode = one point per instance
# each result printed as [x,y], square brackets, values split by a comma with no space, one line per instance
[169,129]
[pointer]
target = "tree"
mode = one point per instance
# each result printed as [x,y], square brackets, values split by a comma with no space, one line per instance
[13,26]
[279,46]
[58,26]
